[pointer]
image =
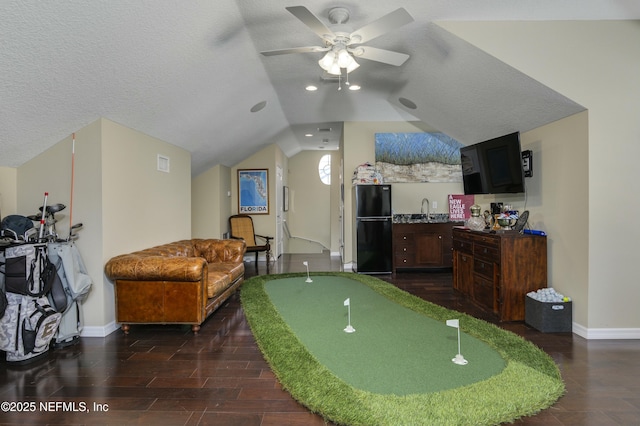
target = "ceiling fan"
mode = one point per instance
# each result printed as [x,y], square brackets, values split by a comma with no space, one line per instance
[342,44]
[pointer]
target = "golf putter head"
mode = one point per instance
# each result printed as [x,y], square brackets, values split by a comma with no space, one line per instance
[72,235]
[31,234]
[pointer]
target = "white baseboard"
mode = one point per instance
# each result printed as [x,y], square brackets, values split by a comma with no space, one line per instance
[606,333]
[587,333]
[97,331]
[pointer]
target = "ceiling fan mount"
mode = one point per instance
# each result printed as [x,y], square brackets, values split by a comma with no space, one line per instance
[339,15]
[341,43]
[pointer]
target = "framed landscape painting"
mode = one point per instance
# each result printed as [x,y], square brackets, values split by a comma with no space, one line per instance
[418,157]
[253,191]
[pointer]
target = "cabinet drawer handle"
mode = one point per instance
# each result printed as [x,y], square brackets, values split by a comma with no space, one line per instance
[404,249]
[404,260]
[404,238]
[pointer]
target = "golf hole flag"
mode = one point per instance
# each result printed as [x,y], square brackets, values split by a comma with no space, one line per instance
[458,359]
[349,328]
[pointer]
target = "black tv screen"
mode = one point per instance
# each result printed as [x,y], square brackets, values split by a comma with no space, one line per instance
[493,166]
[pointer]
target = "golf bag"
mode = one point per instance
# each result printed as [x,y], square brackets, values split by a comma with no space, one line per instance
[27,328]
[29,322]
[3,294]
[17,228]
[3,300]
[75,283]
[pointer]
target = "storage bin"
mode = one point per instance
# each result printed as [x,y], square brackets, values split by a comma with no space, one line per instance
[548,317]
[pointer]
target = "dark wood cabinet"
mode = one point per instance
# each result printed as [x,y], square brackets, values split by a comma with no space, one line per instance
[497,270]
[422,245]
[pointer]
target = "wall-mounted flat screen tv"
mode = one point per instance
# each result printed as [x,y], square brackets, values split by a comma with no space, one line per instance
[493,166]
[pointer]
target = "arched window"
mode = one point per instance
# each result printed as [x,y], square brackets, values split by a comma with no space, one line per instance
[324,169]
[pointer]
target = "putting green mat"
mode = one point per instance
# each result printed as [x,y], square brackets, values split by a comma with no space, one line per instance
[394,350]
[382,374]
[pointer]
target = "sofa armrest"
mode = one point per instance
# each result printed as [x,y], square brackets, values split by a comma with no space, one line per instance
[228,251]
[155,268]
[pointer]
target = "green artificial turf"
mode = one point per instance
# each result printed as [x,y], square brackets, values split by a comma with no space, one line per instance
[529,382]
[394,350]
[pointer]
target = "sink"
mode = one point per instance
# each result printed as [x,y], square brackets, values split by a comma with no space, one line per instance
[421,218]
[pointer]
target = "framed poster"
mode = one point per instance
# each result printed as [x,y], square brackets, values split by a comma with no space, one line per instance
[253,191]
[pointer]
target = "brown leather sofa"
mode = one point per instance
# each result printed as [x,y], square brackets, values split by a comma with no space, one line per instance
[177,283]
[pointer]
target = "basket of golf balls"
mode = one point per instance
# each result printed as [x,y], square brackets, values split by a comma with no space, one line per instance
[548,295]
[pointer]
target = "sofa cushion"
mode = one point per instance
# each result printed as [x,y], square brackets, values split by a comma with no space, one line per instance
[233,270]
[217,282]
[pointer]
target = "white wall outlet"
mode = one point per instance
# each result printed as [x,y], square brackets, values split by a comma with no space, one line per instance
[434,205]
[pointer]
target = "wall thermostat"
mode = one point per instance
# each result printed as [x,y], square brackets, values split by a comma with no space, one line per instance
[527,163]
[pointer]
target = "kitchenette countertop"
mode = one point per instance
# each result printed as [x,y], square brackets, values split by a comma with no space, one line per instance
[421,218]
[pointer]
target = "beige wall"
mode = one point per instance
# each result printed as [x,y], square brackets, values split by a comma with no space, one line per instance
[549,191]
[359,147]
[211,203]
[51,172]
[310,207]
[146,206]
[595,63]
[124,203]
[8,191]
[557,201]
[141,206]
[271,157]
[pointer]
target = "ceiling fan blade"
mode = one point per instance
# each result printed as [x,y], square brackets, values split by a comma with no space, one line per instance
[311,21]
[391,21]
[381,55]
[306,49]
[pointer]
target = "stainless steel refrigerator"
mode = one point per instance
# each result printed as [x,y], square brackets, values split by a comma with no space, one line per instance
[372,230]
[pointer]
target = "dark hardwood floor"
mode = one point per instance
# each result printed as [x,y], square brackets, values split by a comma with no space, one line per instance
[165,375]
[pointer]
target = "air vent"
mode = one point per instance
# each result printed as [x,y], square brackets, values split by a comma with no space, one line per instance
[324,130]
[163,163]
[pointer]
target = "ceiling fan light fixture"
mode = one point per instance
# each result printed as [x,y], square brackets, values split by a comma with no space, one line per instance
[358,51]
[335,69]
[327,60]
[353,65]
[344,58]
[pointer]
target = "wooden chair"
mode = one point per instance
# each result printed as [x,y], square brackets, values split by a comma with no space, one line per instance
[241,227]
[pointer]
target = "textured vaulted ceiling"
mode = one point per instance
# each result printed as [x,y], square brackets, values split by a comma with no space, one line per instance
[189,73]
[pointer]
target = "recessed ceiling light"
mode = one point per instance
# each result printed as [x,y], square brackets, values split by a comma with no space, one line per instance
[257,107]
[406,102]
[308,135]
[354,87]
[311,88]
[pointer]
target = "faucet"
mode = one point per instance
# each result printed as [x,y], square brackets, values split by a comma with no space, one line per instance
[422,206]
